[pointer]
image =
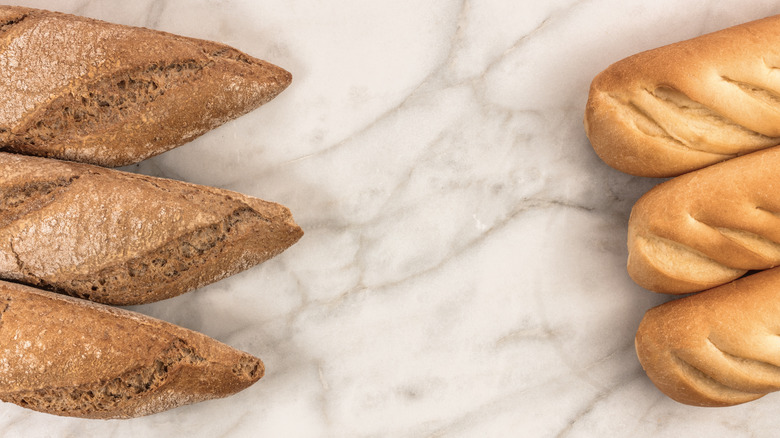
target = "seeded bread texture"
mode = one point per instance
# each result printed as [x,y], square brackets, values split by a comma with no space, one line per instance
[120,238]
[71,357]
[84,90]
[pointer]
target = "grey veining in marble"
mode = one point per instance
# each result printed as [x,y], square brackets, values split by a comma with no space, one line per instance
[463,268]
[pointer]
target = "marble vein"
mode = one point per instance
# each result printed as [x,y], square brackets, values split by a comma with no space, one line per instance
[412,93]
[463,268]
[526,205]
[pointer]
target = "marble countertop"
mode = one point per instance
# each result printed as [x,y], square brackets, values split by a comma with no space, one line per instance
[463,268]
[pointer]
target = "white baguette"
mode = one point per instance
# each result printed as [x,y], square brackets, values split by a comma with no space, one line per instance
[681,107]
[716,348]
[707,227]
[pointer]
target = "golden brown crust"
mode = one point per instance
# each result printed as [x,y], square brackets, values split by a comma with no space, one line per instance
[71,357]
[85,90]
[707,227]
[121,238]
[716,348]
[681,107]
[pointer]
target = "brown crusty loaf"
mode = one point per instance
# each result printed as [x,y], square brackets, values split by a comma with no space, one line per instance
[681,107]
[71,357]
[79,89]
[716,348]
[121,238]
[707,227]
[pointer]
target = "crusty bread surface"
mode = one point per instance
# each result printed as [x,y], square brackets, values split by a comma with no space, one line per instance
[121,238]
[707,227]
[85,90]
[716,348]
[65,356]
[681,107]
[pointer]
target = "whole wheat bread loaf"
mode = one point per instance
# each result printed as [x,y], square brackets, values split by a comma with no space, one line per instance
[71,357]
[121,238]
[80,89]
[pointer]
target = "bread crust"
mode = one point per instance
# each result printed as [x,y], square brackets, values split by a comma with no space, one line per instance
[71,357]
[85,90]
[684,106]
[716,348]
[122,238]
[707,227]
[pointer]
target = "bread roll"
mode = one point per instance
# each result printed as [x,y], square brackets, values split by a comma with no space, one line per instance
[121,238]
[671,110]
[717,348]
[84,90]
[707,227]
[70,357]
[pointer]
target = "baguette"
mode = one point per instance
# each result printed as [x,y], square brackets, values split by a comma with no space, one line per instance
[121,238]
[716,348]
[681,107]
[80,89]
[71,357]
[707,227]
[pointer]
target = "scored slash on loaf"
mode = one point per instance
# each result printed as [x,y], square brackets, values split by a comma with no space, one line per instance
[681,107]
[707,112]
[71,357]
[85,90]
[717,348]
[707,227]
[88,91]
[121,238]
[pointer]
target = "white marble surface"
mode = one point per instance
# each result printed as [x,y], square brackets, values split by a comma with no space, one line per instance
[462,272]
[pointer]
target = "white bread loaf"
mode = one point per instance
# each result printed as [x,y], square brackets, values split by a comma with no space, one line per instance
[681,107]
[707,227]
[716,348]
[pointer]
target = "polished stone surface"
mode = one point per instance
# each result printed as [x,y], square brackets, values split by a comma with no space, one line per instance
[463,268]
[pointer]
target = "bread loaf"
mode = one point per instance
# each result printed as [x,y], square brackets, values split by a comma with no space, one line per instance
[121,238]
[707,227]
[681,107]
[717,348]
[71,357]
[84,90]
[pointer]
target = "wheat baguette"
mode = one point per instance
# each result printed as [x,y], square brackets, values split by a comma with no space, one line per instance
[121,238]
[681,107]
[85,90]
[707,227]
[716,348]
[71,357]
